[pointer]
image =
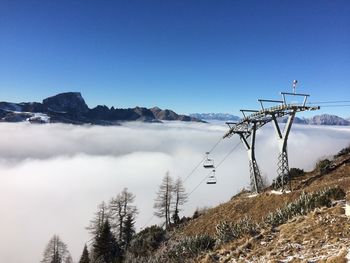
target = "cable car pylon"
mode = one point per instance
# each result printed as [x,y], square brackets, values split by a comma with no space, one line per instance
[258,118]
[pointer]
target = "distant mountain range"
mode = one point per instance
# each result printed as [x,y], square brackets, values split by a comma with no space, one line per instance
[71,108]
[215,116]
[324,119]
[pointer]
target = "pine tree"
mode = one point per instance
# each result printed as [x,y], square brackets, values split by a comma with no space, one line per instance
[85,256]
[105,247]
[129,229]
[56,251]
[164,198]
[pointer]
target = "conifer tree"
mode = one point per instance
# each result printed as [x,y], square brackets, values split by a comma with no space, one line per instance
[129,230]
[85,256]
[105,247]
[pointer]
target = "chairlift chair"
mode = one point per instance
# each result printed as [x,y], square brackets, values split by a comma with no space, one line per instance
[212,178]
[208,163]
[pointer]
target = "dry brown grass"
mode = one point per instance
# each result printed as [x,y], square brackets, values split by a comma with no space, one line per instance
[323,236]
[258,207]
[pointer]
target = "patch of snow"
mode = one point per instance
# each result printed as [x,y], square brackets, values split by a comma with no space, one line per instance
[41,117]
[347,208]
[252,195]
[279,192]
[276,192]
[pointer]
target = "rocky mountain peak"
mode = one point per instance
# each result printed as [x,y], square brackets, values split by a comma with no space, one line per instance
[327,119]
[66,102]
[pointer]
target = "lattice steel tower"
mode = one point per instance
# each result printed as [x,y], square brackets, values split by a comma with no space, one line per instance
[251,123]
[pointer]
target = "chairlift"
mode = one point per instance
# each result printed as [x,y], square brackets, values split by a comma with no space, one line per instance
[211,178]
[208,163]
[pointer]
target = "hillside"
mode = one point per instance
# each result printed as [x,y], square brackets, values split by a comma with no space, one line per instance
[257,207]
[245,228]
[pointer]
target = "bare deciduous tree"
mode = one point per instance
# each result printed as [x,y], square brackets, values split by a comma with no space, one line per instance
[56,252]
[163,200]
[180,198]
[120,209]
[97,222]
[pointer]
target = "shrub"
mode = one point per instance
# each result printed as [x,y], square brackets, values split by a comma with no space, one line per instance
[200,211]
[303,205]
[323,166]
[343,152]
[147,241]
[226,232]
[296,172]
[188,248]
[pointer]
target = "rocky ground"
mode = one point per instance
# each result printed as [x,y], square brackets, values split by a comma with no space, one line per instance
[321,236]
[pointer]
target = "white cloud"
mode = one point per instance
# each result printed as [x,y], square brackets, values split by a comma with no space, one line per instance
[52,177]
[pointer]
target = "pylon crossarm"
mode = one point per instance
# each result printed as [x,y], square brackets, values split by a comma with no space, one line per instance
[249,124]
[264,116]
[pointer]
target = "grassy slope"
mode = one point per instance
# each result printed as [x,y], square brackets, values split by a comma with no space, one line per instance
[317,234]
[259,206]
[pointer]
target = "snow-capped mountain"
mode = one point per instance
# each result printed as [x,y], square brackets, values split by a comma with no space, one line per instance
[324,119]
[327,119]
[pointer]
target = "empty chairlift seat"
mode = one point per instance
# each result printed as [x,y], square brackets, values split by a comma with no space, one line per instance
[211,178]
[208,163]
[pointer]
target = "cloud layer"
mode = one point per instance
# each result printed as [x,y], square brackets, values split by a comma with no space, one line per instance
[52,177]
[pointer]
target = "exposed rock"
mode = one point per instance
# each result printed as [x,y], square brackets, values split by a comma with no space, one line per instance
[16,117]
[169,115]
[9,106]
[69,102]
[70,107]
[296,120]
[327,119]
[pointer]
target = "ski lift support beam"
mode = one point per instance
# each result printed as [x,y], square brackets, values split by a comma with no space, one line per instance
[247,129]
[257,119]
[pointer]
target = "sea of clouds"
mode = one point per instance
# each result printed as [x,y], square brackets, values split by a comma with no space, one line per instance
[52,177]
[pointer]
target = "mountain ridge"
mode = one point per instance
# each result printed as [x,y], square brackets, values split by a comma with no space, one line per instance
[322,119]
[70,107]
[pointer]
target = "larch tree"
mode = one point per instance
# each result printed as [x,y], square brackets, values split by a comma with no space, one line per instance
[163,200]
[56,251]
[85,258]
[121,207]
[97,222]
[180,198]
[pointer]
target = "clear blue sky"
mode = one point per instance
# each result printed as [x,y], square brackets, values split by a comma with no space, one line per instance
[186,55]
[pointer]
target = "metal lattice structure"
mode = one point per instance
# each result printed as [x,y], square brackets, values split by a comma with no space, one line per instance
[249,124]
